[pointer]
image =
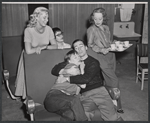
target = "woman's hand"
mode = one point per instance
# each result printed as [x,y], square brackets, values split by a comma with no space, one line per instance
[113,42]
[52,46]
[38,50]
[105,50]
[44,47]
[60,47]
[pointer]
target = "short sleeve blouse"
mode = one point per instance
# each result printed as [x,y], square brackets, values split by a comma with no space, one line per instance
[37,39]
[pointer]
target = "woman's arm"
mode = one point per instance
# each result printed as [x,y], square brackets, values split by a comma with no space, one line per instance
[51,39]
[90,37]
[53,44]
[100,50]
[30,50]
[27,41]
[95,47]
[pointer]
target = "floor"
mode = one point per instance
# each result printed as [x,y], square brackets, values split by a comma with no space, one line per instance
[134,101]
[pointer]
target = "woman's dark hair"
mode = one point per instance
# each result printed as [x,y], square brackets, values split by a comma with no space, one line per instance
[56,29]
[77,41]
[68,55]
[99,10]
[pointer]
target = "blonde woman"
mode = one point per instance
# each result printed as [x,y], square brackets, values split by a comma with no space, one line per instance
[38,34]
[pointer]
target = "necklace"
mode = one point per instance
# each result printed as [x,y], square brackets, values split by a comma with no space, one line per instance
[39,30]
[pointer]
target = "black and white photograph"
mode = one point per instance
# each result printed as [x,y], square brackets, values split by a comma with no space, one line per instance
[74,61]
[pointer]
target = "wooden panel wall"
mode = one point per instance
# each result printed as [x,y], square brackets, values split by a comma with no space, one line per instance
[73,18]
[145,26]
[14,17]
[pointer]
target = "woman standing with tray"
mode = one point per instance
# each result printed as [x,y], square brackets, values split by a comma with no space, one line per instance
[98,36]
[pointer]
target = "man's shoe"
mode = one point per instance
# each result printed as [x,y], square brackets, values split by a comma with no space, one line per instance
[120,111]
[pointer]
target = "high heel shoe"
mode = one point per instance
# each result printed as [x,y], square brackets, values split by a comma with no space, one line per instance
[120,111]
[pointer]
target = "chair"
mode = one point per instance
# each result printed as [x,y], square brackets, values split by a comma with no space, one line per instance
[10,84]
[11,49]
[39,80]
[142,68]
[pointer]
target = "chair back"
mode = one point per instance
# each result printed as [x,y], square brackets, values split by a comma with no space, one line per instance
[142,50]
[12,47]
[38,75]
[142,67]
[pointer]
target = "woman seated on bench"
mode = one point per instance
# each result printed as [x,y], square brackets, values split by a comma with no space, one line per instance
[37,37]
[38,34]
[59,39]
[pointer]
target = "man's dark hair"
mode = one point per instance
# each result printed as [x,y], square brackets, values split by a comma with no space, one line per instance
[77,41]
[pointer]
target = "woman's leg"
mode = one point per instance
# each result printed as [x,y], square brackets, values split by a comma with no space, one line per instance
[108,66]
[119,106]
[91,109]
[104,102]
[110,77]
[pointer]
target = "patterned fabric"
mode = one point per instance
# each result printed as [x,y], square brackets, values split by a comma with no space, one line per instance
[97,36]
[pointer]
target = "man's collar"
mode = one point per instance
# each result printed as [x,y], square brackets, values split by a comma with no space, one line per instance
[84,58]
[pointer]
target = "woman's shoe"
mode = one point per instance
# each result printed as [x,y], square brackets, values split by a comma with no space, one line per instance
[120,111]
[120,119]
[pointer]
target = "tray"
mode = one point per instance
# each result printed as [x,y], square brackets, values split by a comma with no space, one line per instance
[124,48]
